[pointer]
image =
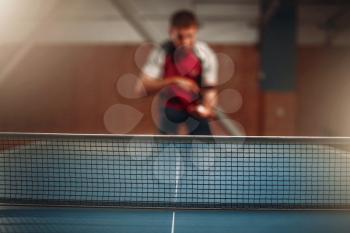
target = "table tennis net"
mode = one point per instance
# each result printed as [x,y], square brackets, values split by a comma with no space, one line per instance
[174,172]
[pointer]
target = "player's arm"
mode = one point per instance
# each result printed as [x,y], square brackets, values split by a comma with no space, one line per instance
[210,100]
[209,83]
[152,85]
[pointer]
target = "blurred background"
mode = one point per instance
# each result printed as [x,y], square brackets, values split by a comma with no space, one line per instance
[71,65]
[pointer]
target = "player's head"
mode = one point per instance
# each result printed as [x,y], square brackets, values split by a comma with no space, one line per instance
[183,28]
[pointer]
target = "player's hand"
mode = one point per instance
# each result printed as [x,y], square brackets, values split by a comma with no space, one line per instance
[200,111]
[186,84]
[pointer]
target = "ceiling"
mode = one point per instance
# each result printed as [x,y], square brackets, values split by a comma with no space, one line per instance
[134,21]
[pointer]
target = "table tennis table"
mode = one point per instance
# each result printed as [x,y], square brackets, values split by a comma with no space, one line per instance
[108,220]
[119,183]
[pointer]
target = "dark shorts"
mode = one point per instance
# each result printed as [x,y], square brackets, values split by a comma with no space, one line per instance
[171,119]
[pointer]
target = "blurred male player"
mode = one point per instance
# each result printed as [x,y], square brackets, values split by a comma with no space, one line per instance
[184,71]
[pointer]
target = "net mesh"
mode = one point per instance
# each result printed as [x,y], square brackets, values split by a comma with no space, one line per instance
[183,172]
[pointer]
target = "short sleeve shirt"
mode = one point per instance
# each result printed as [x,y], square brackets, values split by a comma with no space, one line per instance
[154,66]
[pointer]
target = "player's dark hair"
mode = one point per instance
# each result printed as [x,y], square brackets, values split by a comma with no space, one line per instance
[183,19]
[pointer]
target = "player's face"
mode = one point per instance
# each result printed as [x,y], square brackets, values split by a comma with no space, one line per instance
[184,37]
